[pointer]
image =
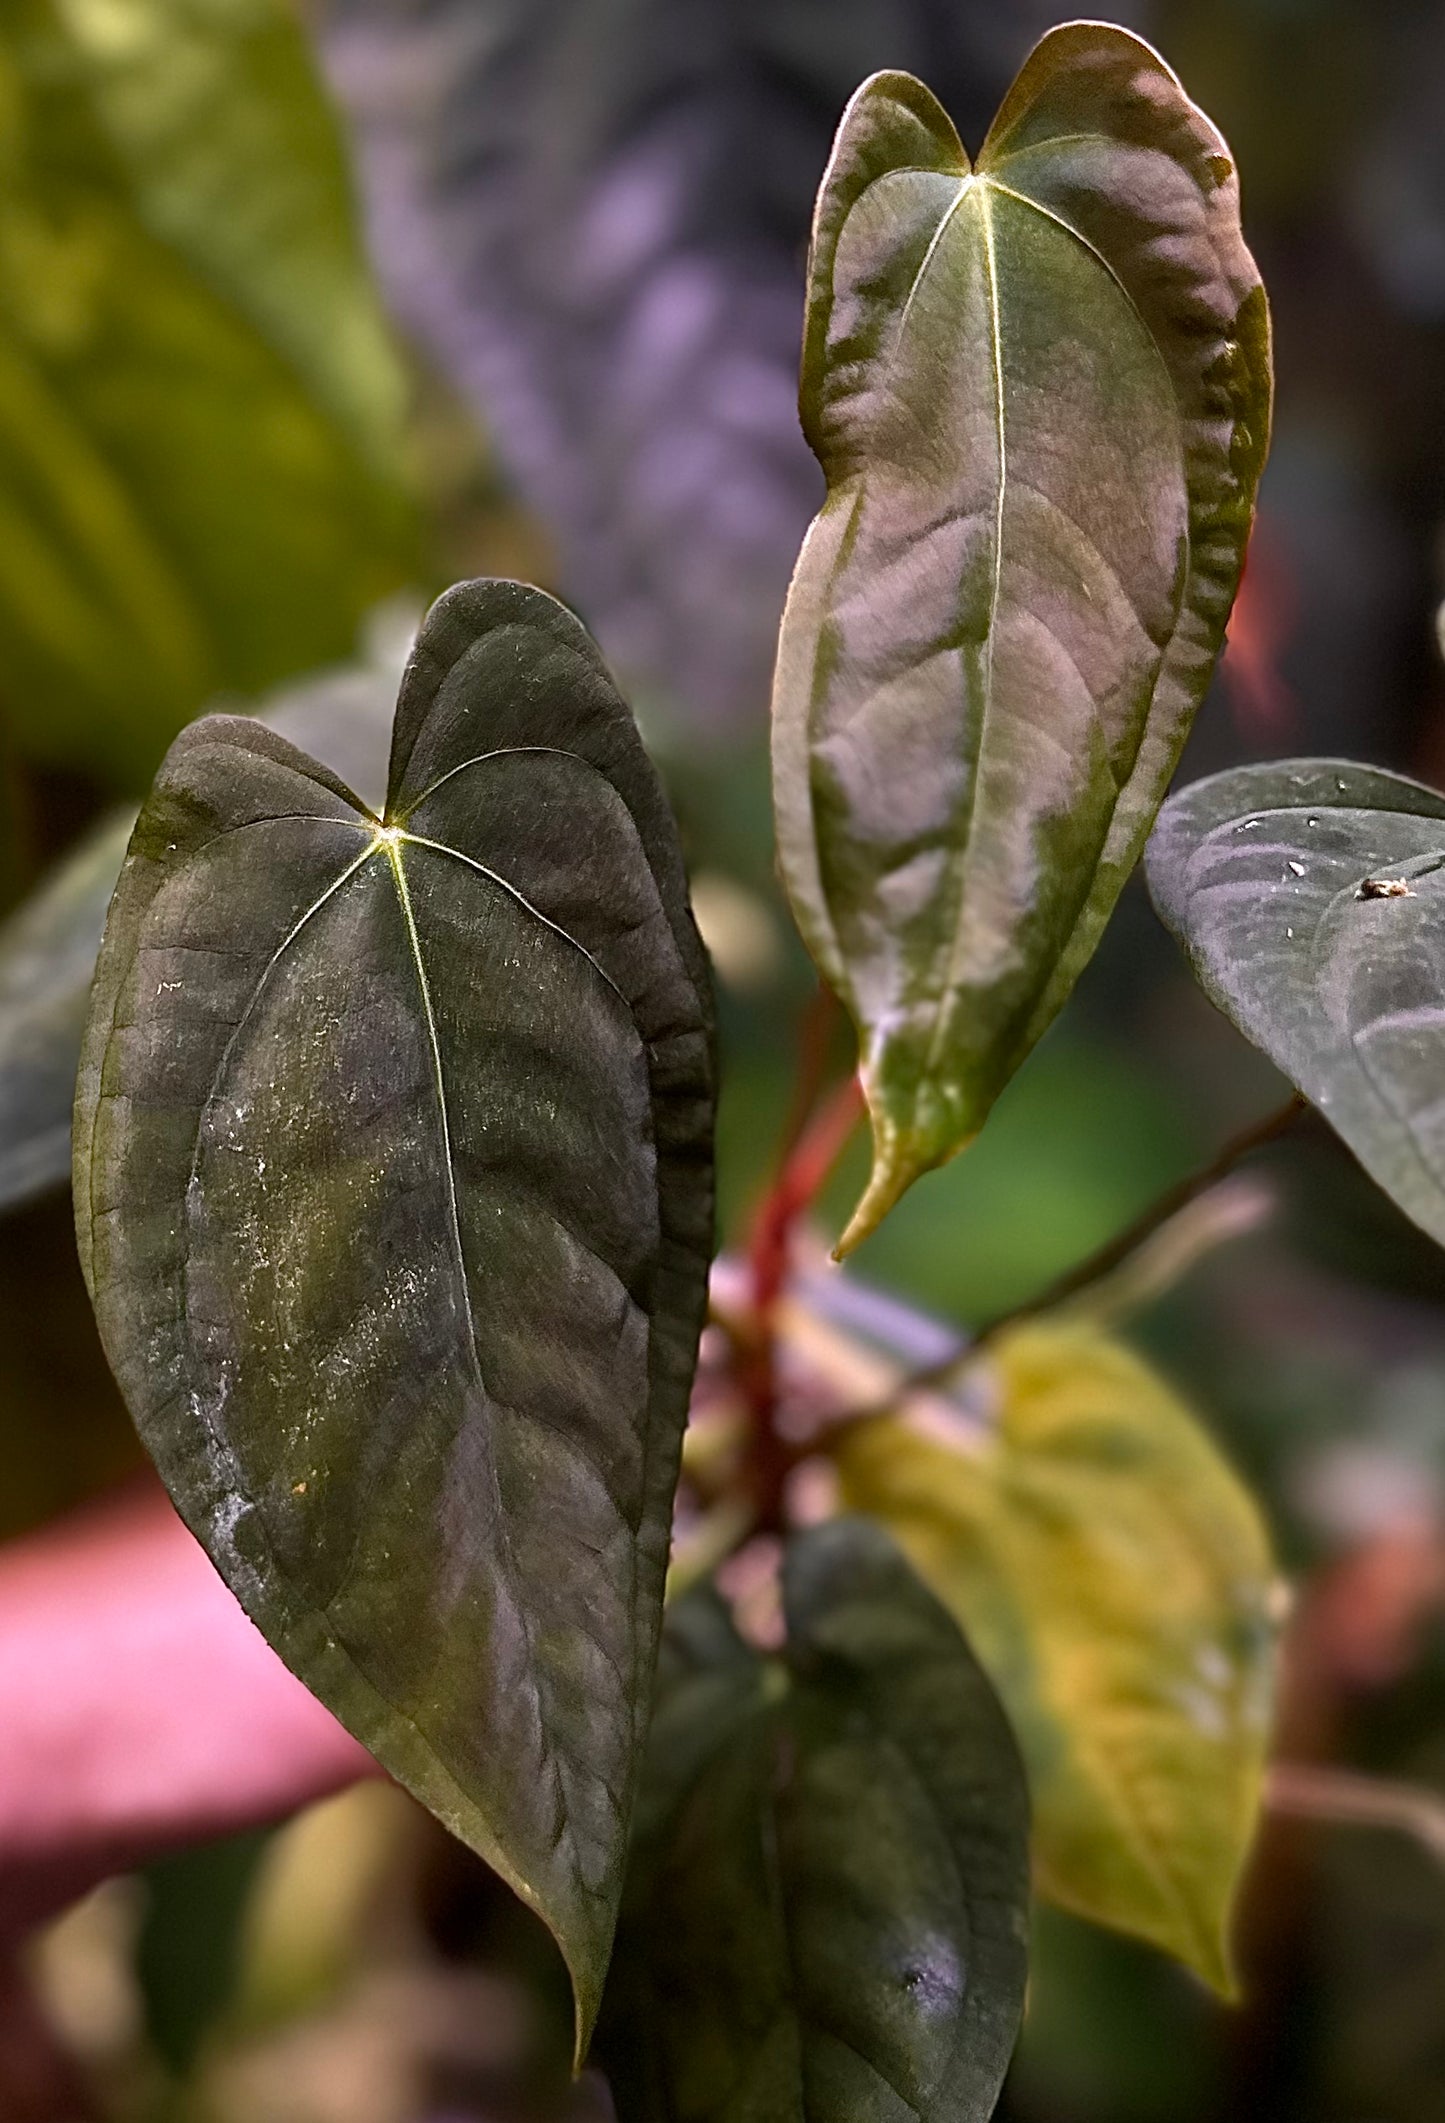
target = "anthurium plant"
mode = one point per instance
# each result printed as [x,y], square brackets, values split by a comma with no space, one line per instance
[393,1166]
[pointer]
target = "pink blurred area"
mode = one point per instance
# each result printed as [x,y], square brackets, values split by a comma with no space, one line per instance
[141,1709]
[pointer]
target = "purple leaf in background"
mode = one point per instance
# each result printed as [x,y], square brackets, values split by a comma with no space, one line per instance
[594,214]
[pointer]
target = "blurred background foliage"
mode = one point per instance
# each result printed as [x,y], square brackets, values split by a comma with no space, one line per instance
[305,306]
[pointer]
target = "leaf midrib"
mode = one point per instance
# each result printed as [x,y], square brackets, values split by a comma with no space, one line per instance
[391,844]
[943,1020]
[387,842]
[981,183]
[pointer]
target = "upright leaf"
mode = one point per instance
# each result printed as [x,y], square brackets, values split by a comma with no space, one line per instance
[393,1188]
[199,405]
[1309,895]
[1115,1579]
[826,1915]
[48,946]
[1039,388]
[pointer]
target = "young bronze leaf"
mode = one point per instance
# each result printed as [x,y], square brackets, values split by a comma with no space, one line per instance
[826,1914]
[393,1186]
[1039,388]
[1115,1579]
[1309,895]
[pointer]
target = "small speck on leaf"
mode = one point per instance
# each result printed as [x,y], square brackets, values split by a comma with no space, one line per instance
[1384,888]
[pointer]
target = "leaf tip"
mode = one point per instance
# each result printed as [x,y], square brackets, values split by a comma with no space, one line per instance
[888,1181]
[586,1960]
[1213,1963]
[899,1158]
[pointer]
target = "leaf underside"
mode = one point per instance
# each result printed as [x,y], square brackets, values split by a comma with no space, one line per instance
[1038,386]
[826,1917]
[393,1188]
[1114,1577]
[1309,896]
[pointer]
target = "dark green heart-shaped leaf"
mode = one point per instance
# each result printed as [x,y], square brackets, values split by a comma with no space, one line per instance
[48,946]
[200,407]
[826,1915]
[1309,895]
[393,1187]
[1039,388]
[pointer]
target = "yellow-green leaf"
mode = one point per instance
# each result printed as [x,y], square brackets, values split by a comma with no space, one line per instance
[199,404]
[1115,1578]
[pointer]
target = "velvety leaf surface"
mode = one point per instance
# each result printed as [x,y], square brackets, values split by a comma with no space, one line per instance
[1308,896]
[827,1908]
[595,219]
[199,406]
[48,946]
[1115,1579]
[1039,388]
[393,1185]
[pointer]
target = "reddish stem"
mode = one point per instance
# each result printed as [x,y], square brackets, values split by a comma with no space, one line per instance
[805,1169]
[804,1173]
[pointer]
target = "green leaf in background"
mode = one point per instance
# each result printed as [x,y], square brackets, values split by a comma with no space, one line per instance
[393,1186]
[1115,1578]
[827,1909]
[47,958]
[199,406]
[1309,896]
[1039,386]
[48,946]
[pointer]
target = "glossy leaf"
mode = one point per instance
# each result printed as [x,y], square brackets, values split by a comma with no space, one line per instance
[594,219]
[393,1185]
[1039,388]
[48,946]
[1114,1577]
[826,1916]
[199,406]
[1309,895]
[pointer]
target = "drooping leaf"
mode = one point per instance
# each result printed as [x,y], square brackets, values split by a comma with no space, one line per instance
[826,1916]
[1039,388]
[47,957]
[393,1186]
[48,946]
[595,219]
[1309,896]
[199,406]
[1114,1577]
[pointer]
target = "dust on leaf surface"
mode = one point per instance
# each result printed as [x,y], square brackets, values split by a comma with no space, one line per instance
[393,1184]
